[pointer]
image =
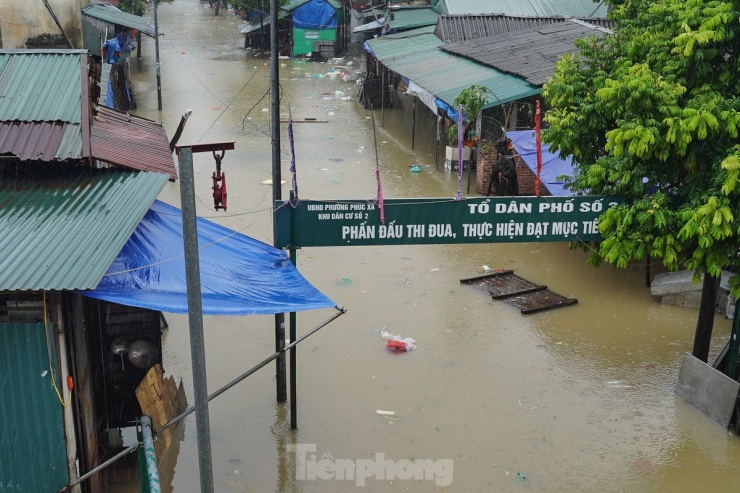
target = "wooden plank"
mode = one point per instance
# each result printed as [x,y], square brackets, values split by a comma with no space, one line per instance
[496,273]
[529,297]
[561,304]
[532,289]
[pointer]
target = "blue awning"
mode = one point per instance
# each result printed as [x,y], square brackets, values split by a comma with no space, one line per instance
[239,275]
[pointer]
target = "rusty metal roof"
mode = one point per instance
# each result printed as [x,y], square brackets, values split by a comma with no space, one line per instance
[62,226]
[113,15]
[41,116]
[530,53]
[535,8]
[130,141]
[43,141]
[41,85]
[459,28]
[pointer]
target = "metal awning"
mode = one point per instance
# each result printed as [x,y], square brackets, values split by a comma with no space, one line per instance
[370,26]
[109,13]
[130,141]
[62,226]
[418,58]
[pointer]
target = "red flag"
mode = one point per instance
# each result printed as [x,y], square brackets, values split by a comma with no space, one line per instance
[539,148]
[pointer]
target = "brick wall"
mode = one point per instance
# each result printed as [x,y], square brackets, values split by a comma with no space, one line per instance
[525,176]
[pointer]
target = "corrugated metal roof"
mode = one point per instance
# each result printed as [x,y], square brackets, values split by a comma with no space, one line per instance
[44,141]
[420,59]
[61,227]
[531,53]
[252,26]
[29,93]
[33,456]
[109,13]
[412,18]
[130,141]
[534,8]
[459,28]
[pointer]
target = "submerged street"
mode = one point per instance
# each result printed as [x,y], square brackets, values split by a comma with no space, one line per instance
[578,399]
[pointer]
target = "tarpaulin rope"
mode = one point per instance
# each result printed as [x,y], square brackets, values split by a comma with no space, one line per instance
[459,152]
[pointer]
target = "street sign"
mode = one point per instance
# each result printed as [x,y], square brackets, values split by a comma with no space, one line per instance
[424,221]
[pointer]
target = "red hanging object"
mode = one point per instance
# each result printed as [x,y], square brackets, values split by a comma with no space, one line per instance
[539,148]
[70,383]
[219,183]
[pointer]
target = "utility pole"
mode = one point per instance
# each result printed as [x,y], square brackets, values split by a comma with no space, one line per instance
[281,374]
[156,48]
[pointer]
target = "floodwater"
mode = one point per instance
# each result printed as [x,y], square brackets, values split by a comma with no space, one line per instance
[578,399]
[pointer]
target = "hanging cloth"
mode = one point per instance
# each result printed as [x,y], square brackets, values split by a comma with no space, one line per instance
[294,182]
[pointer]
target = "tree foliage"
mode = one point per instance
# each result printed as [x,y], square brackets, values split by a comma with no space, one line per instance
[472,99]
[255,5]
[137,7]
[651,112]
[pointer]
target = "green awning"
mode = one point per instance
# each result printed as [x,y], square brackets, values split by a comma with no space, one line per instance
[109,13]
[418,58]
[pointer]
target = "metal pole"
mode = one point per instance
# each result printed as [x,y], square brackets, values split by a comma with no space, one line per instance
[67,411]
[280,377]
[436,149]
[150,460]
[293,329]
[382,99]
[195,318]
[99,467]
[156,48]
[340,311]
[413,124]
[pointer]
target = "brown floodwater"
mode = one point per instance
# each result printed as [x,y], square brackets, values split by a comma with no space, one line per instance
[578,399]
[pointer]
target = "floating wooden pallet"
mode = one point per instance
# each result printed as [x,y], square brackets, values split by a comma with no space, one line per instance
[529,297]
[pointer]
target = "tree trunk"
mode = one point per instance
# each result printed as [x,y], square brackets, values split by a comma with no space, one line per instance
[705,323]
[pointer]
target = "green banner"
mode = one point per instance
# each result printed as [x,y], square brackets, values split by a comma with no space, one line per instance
[440,220]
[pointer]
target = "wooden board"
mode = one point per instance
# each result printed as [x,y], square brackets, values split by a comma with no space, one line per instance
[504,285]
[162,400]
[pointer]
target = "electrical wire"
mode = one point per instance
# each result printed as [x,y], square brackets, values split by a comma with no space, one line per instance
[51,367]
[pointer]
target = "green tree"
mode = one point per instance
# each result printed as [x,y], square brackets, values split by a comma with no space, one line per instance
[657,103]
[472,99]
[137,7]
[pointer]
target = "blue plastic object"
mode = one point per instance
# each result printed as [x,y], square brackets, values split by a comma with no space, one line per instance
[239,275]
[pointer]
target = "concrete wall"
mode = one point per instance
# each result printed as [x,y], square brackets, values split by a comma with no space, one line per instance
[28,24]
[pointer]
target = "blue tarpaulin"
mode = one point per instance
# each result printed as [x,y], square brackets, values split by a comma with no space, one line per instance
[239,275]
[316,14]
[552,165]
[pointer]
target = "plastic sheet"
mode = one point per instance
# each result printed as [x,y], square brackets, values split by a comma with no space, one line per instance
[552,165]
[239,275]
